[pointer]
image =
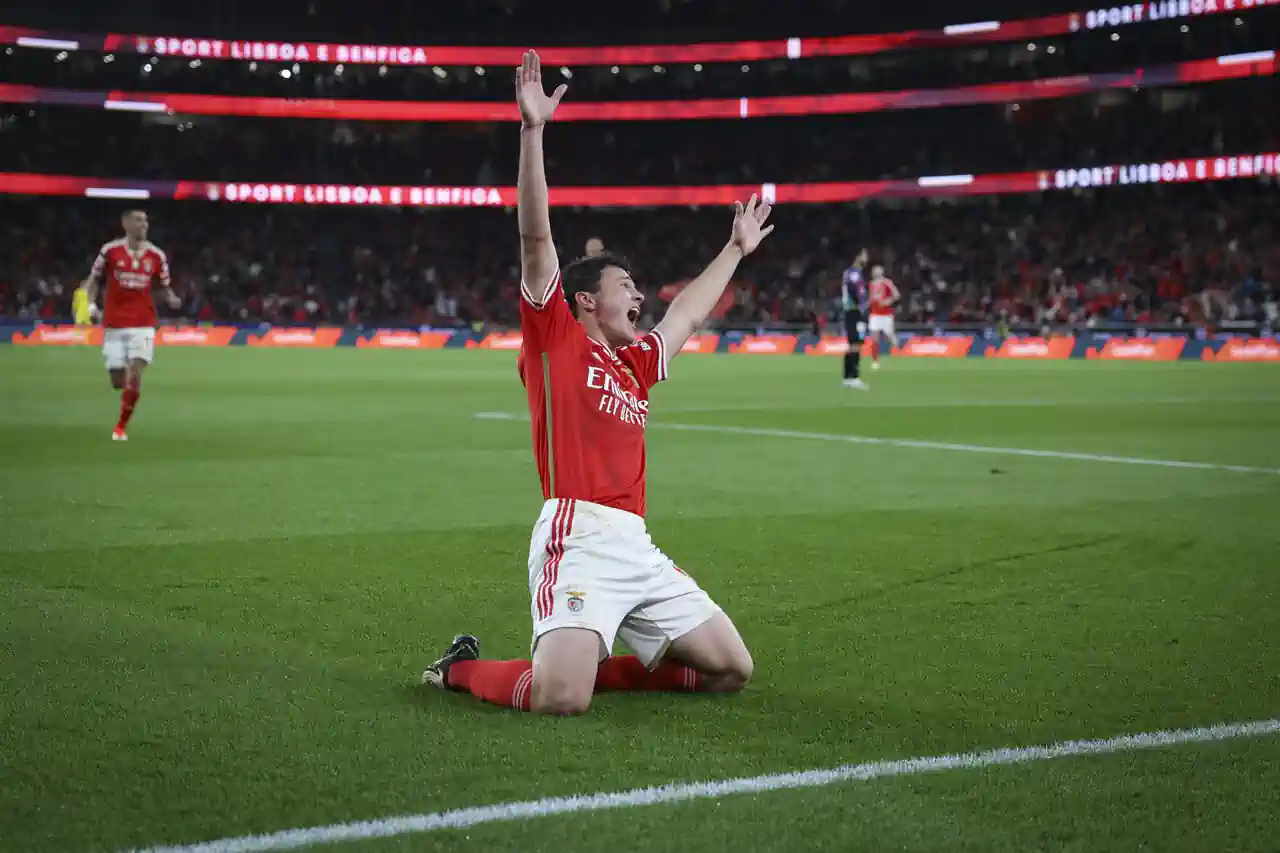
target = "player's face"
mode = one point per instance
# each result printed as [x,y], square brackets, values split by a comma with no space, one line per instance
[595,246]
[617,307]
[136,225]
[877,272]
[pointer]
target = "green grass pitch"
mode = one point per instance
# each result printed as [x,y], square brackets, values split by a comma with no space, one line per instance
[217,628]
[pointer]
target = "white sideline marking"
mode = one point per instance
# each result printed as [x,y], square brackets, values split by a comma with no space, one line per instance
[935,445]
[994,403]
[294,839]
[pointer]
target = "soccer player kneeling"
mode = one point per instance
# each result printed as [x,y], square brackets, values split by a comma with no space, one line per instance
[594,573]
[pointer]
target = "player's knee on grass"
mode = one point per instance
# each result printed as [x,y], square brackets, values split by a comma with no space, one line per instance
[560,697]
[717,651]
[564,671]
[730,672]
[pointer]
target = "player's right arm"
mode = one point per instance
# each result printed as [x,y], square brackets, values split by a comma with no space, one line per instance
[539,267]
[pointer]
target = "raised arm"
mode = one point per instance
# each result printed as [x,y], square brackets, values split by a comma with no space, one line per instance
[538,262]
[690,309]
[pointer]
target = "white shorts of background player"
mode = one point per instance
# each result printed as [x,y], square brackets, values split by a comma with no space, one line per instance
[881,324]
[595,567]
[121,346]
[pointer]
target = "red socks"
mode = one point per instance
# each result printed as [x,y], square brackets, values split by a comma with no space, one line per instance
[510,682]
[501,682]
[129,400]
[875,349]
[626,672]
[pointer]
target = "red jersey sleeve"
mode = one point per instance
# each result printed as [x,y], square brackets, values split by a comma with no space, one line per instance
[647,358]
[547,323]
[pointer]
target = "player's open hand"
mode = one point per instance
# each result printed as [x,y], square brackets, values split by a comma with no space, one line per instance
[748,224]
[536,106]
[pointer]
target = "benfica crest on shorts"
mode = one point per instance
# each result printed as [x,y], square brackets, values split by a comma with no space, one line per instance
[575,602]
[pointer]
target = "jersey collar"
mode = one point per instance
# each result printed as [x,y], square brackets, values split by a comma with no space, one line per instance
[602,345]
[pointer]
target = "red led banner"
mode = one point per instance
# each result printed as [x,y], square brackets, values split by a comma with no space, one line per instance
[1255,64]
[976,32]
[1188,170]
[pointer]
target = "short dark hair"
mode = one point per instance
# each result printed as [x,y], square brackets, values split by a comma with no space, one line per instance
[583,275]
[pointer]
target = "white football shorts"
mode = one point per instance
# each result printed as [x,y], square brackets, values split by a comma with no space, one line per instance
[881,324]
[595,567]
[121,346]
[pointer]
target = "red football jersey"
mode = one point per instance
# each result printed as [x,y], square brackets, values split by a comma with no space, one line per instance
[881,296]
[129,274]
[588,403]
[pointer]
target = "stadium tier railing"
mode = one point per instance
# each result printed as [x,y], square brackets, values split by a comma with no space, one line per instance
[975,32]
[1263,165]
[1260,63]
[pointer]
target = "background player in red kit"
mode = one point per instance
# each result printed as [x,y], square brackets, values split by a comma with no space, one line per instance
[594,573]
[882,296]
[130,266]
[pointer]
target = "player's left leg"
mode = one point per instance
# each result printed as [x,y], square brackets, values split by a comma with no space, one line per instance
[716,650]
[684,640]
[130,395]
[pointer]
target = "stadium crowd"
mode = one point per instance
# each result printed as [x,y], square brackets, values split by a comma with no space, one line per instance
[1147,255]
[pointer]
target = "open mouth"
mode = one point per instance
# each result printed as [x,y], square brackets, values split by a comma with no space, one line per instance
[633,315]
